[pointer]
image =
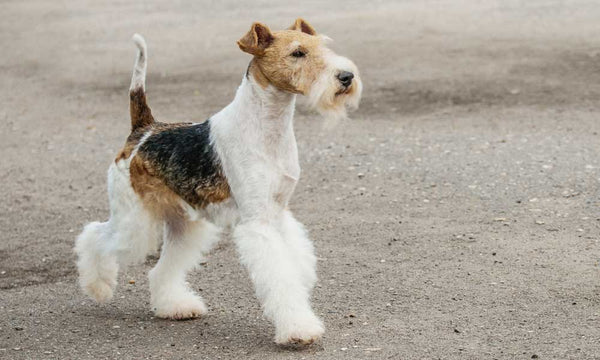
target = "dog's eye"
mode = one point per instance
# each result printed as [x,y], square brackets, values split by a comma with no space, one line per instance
[298,53]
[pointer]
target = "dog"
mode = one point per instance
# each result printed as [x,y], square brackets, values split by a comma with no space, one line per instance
[177,185]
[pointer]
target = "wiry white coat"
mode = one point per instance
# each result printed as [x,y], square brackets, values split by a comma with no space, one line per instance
[255,143]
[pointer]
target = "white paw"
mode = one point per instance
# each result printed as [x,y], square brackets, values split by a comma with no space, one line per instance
[300,331]
[182,308]
[99,290]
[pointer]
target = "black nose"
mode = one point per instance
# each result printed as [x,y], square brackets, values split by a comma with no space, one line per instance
[345,77]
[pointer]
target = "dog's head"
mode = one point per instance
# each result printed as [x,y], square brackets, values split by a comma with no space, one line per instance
[297,60]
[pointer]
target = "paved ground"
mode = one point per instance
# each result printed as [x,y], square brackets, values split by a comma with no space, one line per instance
[455,216]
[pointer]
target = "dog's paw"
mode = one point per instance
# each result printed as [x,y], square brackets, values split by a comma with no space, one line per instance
[99,290]
[301,332]
[188,307]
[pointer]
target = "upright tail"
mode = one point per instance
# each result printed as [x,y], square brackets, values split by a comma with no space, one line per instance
[141,115]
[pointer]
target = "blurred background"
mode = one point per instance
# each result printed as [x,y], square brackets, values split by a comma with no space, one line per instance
[455,215]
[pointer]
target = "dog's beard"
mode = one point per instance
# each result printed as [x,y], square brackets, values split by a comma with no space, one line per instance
[333,101]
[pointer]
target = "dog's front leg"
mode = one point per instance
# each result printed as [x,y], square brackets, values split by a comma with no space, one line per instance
[279,282]
[296,236]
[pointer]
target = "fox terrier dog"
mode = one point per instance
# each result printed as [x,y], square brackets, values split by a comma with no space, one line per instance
[178,184]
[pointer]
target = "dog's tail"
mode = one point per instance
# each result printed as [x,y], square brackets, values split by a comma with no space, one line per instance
[141,115]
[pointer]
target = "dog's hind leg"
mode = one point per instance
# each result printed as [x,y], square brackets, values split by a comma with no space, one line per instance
[127,237]
[97,269]
[185,242]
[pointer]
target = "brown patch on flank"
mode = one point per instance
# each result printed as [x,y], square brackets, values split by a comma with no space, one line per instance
[216,193]
[162,202]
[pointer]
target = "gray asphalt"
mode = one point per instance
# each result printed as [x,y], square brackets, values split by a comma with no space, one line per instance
[455,215]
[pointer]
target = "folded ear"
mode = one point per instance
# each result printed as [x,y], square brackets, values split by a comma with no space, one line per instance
[302,25]
[256,40]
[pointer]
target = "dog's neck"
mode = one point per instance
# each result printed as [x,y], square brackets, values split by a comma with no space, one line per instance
[269,108]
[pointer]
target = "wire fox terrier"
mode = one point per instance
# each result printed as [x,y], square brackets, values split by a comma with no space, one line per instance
[182,183]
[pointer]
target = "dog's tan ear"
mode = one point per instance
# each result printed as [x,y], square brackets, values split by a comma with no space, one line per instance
[256,40]
[302,25]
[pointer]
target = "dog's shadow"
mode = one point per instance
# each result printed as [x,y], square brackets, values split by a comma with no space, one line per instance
[223,330]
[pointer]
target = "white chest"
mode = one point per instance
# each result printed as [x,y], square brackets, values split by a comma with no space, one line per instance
[284,185]
[285,171]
